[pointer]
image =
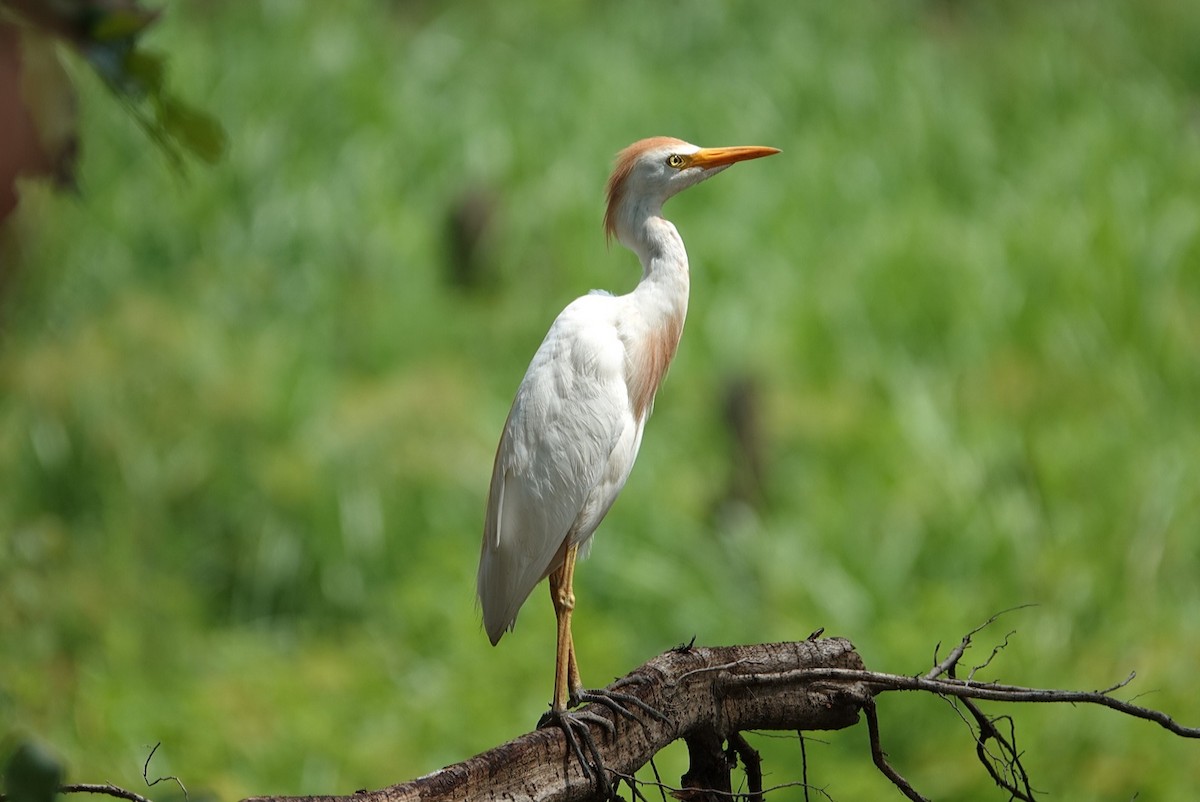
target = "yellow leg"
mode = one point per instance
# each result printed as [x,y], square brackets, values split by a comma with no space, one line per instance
[569,690]
[574,683]
[562,594]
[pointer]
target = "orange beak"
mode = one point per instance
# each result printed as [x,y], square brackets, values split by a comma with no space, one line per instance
[716,157]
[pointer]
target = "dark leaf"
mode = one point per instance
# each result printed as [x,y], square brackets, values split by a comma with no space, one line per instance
[145,69]
[122,24]
[32,774]
[192,128]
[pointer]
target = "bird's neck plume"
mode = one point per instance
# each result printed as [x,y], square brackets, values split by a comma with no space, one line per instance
[634,216]
[661,300]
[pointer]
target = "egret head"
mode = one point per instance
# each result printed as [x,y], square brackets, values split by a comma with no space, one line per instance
[650,171]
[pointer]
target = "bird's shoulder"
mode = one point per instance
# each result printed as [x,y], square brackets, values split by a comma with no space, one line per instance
[576,379]
[588,329]
[597,306]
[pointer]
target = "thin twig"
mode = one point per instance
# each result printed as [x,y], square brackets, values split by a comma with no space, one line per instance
[673,790]
[1120,685]
[103,788]
[633,786]
[957,652]
[1009,756]
[658,778]
[707,670]
[108,789]
[995,651]
[993,691]
[151,783]
[803,764]
[880,757]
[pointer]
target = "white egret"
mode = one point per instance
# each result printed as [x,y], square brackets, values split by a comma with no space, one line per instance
[576,423]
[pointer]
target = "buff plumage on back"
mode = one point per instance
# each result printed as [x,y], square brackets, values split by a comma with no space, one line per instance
[615,189]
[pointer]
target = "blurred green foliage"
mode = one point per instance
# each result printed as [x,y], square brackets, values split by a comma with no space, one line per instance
[106,34]
[246,422]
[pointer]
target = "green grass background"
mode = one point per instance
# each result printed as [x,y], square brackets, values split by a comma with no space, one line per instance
[246,425]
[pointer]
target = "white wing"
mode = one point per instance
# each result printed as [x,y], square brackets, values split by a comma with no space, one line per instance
[566,451]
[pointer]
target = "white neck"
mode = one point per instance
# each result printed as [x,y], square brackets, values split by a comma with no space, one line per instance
[661,300]
[664,259]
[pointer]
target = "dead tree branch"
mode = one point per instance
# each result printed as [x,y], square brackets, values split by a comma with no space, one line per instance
[105,789]
[710,695]
[703,692]
[878,682]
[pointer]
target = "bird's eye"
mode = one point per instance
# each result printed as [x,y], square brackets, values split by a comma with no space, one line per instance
[675,160]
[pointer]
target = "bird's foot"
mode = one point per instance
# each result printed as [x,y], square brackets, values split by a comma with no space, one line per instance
[617,701]
[574,724]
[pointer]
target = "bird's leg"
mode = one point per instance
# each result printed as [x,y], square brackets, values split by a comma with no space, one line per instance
[562,595]
[572,681]
[571,686]
[574,724]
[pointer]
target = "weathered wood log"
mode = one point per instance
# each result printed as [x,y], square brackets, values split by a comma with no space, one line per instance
[704,694]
